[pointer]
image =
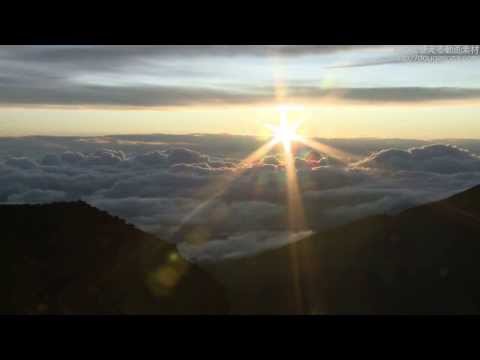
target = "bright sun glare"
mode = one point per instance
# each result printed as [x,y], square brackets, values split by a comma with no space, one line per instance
[285,132]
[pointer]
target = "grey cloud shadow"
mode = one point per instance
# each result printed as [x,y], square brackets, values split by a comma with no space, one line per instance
[68,94]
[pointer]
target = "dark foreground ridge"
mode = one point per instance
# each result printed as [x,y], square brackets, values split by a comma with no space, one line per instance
[71,258]
[425,260]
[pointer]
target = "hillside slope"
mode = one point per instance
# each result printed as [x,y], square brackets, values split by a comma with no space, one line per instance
[425,260]
[71,258]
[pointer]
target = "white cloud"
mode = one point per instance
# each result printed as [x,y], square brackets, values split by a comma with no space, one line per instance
[163,215]
[444,159]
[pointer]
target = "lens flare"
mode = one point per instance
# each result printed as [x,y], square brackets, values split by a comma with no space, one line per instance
[284,133]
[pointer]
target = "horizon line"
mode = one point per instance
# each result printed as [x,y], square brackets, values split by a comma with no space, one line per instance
[229,134]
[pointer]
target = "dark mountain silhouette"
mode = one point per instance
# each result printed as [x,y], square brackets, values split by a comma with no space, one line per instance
[425,260]
[72,258]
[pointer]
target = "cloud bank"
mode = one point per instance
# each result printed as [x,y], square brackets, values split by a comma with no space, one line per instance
[443,159]
[167,189]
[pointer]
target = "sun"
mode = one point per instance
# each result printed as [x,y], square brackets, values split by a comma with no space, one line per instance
[285,132]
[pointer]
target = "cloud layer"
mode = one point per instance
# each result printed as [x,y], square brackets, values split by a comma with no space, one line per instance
[167,189]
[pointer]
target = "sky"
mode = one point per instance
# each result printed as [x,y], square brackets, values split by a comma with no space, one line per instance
[345,91]
[174,139]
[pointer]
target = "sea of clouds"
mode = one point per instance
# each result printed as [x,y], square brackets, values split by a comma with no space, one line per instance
[165,185]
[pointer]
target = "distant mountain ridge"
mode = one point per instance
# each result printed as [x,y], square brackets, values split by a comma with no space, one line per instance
[71,258]
[424,260]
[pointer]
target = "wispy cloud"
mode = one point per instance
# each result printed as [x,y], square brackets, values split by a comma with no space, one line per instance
[66,94]
[166,76]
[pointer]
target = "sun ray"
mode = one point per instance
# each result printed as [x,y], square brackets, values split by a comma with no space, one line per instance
[294,202]
[258,154]
[286,133]
[296,222]
[217,189]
